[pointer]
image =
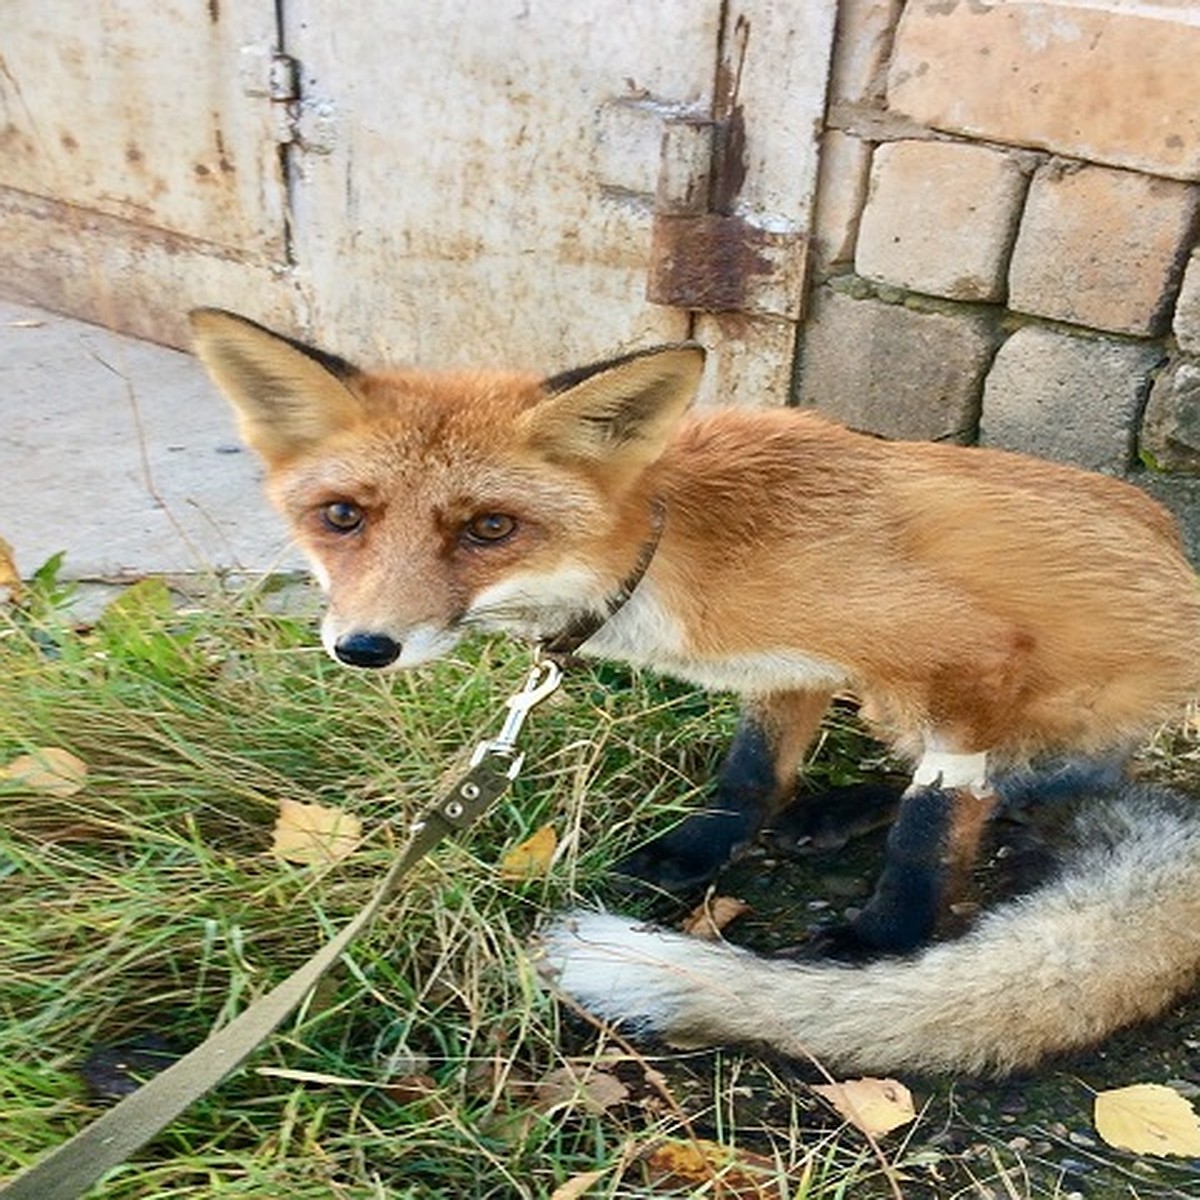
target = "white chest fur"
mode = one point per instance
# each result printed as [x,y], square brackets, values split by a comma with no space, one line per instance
[644,633]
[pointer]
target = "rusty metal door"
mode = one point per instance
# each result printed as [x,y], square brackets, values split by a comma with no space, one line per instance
[520,181]
[139,159]
[528,181]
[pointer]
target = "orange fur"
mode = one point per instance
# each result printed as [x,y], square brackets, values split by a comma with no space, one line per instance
[993,601]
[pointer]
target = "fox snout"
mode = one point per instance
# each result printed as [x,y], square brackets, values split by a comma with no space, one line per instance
[364,649]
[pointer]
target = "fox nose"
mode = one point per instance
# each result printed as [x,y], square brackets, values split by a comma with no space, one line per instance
[367,649]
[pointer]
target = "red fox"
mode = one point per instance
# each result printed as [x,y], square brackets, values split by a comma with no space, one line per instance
[984,606]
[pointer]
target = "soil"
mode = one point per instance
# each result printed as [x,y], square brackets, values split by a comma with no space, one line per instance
[1030,1136]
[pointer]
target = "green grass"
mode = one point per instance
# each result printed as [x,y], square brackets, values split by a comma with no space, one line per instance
[149,903]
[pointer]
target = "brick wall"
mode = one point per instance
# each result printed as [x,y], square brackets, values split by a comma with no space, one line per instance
[1007,240]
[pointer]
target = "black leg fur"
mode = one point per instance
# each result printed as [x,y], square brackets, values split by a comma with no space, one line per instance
[904,908]
[687,857]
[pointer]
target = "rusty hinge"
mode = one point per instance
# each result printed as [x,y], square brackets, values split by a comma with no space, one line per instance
[283,77]
[267,74]
[707,255]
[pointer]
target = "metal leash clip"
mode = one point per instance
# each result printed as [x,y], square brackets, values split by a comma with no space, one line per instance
[543,679]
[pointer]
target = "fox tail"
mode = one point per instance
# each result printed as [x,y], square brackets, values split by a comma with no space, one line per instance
[1110,940]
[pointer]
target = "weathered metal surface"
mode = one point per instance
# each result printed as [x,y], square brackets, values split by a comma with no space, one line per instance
[137,111]
[139,169]
[459,187]
[723,263]
[462,192]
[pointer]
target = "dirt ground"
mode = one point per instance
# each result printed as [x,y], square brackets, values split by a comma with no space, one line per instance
[1027,1136]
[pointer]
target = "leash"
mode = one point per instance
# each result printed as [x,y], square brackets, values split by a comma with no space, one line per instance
[68,1171]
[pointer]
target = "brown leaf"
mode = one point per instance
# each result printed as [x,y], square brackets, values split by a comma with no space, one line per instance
[585,1087]
[708,919]
[532,858]
[314,833]
[1147,1118]
[10,578]
[875,1106]
[49,770]
[733,1174]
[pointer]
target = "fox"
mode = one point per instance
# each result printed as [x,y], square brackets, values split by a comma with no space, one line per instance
[985,608]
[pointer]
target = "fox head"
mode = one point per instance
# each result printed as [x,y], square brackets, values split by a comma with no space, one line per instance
[431,504]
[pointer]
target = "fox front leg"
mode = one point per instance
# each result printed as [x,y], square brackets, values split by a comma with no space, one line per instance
[756,777]
[931,848]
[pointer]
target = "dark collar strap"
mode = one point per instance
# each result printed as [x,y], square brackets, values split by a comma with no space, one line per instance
[568,640]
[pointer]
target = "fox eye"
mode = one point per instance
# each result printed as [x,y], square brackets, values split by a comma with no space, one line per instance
[489,528]
[342,516]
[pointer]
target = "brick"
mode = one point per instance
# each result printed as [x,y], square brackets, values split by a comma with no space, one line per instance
[1112,87]
[940,218]
[864,39]
[1187,308]
[894,370]
[1171,426]
[1072,399]
[1100,247]
[841,189]
[1181,494]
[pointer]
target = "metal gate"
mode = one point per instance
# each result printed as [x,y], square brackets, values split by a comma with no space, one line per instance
[534,183]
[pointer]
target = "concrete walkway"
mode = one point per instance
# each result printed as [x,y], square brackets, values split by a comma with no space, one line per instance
[122,455]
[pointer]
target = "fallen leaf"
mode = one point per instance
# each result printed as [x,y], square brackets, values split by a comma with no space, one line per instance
[874,1106]
[532,858]
[10,578]
[1147,1118]
[571,1087]
[25,323]
[49,770]
[708,919]
[577,1185]
[734,1174]
[314,833]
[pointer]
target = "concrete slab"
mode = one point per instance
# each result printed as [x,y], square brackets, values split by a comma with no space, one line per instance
[121,454]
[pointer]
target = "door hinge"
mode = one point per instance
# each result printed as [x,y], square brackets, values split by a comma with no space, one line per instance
[267,74]
[707,254]
[283,89]
[283,77]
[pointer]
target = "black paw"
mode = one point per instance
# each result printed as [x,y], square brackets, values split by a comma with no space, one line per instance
[896,929]
[830,819]
[686,858]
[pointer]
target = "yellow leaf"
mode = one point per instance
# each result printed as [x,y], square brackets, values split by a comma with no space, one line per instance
[874,1106]
[10,578]
[49,770]
[1147,1118]
[532,858]
[734,1174]
[577,1185]
[314,833]
[708,919]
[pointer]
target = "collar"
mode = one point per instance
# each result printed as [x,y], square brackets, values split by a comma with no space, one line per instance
[567,641]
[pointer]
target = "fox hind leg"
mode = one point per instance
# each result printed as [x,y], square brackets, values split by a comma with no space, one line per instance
[756,777]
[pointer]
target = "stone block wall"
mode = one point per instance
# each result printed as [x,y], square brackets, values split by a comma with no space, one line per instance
[1007,235]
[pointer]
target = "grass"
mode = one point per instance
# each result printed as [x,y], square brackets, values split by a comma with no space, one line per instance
[148,906]
[148,903]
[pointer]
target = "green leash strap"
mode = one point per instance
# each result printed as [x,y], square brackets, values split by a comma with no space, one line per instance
[69,1170]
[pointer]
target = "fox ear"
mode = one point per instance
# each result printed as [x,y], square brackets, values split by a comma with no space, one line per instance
[619,413]
[287,396]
